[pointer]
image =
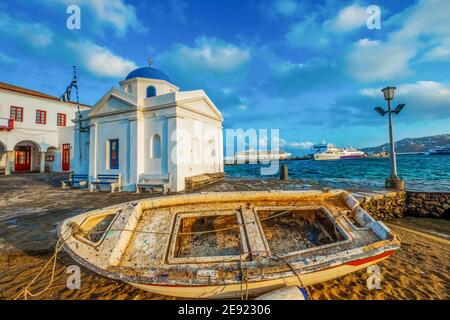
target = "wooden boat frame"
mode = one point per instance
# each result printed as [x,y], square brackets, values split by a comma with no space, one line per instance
[146,258]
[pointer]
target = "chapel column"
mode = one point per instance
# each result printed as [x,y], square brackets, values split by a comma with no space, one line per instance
[42,162]
[93,151]
[9,164]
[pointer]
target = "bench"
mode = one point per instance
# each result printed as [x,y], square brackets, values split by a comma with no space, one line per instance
[74,179]
[152,181]
[113,180]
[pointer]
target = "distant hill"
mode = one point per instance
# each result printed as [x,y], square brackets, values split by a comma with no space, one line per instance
[414,144]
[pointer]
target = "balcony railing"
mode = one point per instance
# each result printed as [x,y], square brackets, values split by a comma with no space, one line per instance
[6,124]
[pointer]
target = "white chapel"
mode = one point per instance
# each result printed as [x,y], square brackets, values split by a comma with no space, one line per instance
[149,127]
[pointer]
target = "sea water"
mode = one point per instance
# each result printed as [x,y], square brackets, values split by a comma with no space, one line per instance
[420,172]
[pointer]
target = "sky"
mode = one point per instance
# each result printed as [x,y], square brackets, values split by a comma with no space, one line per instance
[312,69]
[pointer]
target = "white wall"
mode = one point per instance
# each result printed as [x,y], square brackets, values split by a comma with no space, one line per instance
[178,118]
[105,131]
[46,135]
[41,137]
[139,87]
[155,126]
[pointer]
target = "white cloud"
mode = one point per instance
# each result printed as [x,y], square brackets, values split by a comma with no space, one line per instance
[242,107]
[421,26]
[440,52]
[349,18]
[307,33]
[227,90]
[429,91]
[208,54]
[289,79]
[35,34]
[372,60]
[113,13]
[299,145]
[367,42]
[424,99]
[286,7]
[312,32]
[100,61]
[6,59]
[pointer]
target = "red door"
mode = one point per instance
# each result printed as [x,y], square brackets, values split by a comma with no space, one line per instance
[65,157]
[23,158]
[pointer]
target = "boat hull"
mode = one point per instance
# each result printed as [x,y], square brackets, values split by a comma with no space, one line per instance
[354,157]
[257,288]
[273,239]
[326,156]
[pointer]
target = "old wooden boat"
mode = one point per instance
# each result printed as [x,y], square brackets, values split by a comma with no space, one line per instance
[231,244]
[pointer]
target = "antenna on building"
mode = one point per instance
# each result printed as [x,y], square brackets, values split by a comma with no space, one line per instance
[150,61]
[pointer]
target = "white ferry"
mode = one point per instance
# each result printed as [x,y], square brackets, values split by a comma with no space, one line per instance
[330,152]
[255,156]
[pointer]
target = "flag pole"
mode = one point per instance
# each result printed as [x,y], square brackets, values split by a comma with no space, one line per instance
[78,110]
[76,87]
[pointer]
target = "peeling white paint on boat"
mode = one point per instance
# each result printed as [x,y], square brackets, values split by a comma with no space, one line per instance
[139,245]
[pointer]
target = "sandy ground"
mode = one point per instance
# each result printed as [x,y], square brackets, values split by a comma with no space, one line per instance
[32,204]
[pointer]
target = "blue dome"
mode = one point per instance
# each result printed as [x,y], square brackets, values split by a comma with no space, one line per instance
[148,72]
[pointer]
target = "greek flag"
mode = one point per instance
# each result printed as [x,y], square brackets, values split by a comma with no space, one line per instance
[66,95]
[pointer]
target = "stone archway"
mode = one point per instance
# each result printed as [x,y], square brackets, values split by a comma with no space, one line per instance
[27,156]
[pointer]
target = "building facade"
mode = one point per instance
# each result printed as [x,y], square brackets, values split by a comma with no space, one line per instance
[36,131]
[148,126]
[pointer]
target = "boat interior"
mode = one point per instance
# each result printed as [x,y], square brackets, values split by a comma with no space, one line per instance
[186,235]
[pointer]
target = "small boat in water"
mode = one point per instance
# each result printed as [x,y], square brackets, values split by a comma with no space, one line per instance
[230,244]
[382,154]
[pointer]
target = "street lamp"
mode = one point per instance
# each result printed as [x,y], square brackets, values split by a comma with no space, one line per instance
[393,181]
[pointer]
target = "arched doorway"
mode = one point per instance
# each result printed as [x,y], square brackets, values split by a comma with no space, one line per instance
[26,155]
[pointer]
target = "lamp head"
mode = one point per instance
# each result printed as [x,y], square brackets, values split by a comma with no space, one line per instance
[380,111]
[398,108]
[389,93]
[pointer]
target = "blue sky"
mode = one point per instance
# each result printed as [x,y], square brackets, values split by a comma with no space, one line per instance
[309,68]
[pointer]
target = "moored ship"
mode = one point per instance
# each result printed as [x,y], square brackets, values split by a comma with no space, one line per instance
[256,156]
[331,152]
[442,151]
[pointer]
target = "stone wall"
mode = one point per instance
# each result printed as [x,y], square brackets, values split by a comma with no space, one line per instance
[389,205]
[428,204]
[385,206]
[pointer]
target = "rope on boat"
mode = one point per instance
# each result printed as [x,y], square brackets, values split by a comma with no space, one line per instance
[26,291]
[243,279]
[293,270]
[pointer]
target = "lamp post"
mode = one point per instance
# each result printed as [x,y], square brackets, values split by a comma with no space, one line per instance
[393,182]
